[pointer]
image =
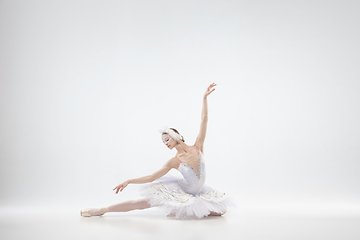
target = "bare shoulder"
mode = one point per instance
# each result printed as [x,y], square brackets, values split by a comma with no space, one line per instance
[198,149]
[173,162]
[199,146]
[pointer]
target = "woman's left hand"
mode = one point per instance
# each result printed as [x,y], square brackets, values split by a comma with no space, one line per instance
[209,90]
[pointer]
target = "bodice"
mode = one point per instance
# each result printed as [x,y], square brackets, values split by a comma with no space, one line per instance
[193,181]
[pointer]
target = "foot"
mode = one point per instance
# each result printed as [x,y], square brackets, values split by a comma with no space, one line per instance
[89,212]
[216,214]
[171,214]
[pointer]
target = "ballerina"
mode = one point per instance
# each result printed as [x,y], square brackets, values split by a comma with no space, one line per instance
[182,198]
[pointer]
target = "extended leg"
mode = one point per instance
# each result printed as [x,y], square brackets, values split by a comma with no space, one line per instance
[129,205]
[120,207]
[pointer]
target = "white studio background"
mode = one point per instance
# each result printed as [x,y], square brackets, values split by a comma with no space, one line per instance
[86,85]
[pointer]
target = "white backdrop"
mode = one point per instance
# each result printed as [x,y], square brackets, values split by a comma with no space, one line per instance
[85,86]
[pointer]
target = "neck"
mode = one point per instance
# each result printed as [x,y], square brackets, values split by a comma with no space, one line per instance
[182,148]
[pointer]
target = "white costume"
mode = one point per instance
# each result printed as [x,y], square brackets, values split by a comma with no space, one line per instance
[186,197]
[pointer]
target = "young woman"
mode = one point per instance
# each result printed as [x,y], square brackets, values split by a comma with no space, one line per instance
[182,198]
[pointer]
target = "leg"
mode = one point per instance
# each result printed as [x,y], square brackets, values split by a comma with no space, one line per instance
[129,205]
[120,207]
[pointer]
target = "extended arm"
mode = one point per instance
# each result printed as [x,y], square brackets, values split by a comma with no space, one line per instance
[149,178]
[158,174]
[204,119]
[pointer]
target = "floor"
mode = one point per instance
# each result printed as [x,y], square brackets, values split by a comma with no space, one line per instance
[246,222]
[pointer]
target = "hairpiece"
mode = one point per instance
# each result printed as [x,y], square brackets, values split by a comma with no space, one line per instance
[172,133]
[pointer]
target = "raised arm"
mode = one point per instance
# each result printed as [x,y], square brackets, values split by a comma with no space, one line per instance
[199,143]
[149,178]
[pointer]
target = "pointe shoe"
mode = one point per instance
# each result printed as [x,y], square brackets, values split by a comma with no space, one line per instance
[94,212]
[85,213]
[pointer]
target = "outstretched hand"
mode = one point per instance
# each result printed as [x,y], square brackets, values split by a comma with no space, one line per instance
[121,187]
[209,90]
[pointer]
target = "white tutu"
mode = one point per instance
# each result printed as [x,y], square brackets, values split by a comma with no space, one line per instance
[188,197]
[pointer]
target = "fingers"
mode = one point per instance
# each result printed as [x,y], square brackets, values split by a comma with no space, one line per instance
[211,86]
[117,189]
[209,90]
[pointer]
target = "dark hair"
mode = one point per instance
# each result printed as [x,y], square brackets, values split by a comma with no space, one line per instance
[182,138]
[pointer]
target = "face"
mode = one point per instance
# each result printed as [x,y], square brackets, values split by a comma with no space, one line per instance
[168,141]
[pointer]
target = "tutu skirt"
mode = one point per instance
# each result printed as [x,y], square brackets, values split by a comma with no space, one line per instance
[167,194]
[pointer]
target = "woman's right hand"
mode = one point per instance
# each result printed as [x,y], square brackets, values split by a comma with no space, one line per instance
[121,187]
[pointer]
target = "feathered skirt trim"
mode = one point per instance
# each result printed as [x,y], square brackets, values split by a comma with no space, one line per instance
[171,198]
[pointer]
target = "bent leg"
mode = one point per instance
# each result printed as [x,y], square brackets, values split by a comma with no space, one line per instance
[129,205]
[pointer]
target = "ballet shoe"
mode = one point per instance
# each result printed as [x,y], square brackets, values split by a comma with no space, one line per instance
[86,212]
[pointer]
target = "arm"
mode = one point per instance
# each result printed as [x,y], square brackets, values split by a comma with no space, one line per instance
[199,143]
[149,178]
